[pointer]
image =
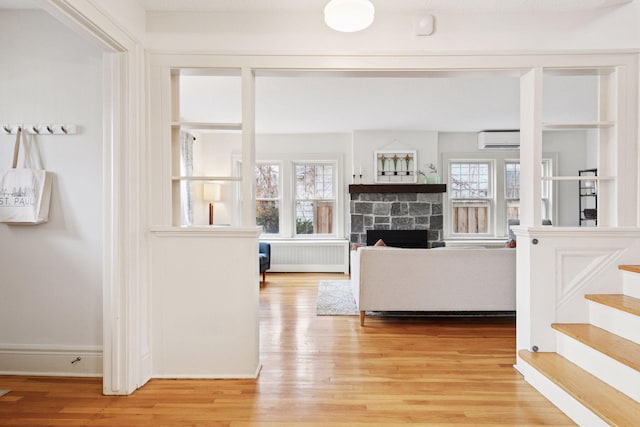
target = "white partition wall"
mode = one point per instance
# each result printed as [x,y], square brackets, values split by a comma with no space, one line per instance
[557,267]
[205,302]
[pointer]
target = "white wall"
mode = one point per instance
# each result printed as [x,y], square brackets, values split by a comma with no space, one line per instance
[356,151]
[367,142]
[52,273]
[213,157]
[612,28]
[217,151]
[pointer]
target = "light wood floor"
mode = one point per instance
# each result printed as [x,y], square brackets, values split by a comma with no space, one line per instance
[318,371]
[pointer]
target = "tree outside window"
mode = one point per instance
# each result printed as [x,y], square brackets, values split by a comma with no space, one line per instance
[268,197]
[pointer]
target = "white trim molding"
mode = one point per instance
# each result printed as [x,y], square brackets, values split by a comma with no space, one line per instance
[50,360]
[126,359]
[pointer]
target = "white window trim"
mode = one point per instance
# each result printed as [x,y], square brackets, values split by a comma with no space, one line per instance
[294,199]
[494,207]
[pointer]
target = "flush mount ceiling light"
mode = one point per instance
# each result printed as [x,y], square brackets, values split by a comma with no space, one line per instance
[349,15]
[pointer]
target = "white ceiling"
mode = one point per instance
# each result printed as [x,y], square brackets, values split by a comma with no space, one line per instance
[343,104]
[447,6]
[318,103]
[444,6]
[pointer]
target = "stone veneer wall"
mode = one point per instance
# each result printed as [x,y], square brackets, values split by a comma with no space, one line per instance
[396,211]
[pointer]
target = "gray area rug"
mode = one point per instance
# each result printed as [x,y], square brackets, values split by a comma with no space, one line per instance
[335,299]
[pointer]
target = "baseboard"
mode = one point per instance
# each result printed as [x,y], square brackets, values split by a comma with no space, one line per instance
[307,268]
[252,376]
[20,359]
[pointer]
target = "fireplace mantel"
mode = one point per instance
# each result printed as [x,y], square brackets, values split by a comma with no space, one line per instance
[397,188]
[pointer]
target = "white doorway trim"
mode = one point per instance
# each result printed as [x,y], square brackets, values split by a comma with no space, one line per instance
[126,354]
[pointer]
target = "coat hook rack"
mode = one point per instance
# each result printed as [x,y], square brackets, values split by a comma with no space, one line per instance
[40,129]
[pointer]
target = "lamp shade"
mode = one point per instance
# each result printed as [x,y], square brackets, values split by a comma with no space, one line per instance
[212,192]
[349,15]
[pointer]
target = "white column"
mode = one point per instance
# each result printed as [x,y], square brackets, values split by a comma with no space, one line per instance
[530,209]
[530,147]
[248,148]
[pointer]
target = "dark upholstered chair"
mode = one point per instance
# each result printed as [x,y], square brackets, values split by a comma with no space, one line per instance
[264,256]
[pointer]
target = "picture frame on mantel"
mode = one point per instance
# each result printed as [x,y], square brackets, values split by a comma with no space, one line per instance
[395,166]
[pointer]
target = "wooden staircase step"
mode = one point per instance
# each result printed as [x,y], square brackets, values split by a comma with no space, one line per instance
[612,406]
[631,268]
[621,302]
[623,350]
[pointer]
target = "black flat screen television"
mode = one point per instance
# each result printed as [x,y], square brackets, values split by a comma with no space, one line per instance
[399,238]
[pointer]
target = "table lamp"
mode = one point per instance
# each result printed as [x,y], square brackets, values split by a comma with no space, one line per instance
[212,192]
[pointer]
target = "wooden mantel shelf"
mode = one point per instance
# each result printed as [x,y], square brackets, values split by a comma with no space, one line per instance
[397,188]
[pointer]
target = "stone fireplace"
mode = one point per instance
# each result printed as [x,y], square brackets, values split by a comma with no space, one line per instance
[396,207]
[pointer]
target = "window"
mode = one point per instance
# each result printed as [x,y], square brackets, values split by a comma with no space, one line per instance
[314,198]
[485,194]
[470,197]
[512,189]
[296,198]
[268,197]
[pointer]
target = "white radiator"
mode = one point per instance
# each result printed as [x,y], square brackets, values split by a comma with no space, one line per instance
[310,256]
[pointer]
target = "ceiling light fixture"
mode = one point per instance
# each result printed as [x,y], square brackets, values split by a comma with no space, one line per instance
[349,16]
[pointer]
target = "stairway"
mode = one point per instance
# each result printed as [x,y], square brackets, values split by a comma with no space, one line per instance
[595,375]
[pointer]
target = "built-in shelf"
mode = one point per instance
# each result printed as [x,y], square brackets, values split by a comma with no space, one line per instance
[206,178]
[578,178]
[397,188]
[575,72]
[578,125]
[207,126]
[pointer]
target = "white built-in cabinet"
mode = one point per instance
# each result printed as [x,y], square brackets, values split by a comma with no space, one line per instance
[558,266]
[200,114]
[204,296]
[600,125]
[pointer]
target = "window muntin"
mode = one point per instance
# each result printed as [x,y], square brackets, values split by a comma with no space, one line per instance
[470,180]
[314,199]
[268,191]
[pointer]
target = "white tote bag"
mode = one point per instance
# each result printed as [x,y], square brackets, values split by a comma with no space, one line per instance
[25,191]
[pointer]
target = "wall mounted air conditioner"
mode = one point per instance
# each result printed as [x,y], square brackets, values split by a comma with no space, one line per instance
[499,139]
